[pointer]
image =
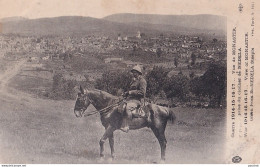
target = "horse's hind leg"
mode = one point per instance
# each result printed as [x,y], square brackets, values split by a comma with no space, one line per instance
[108,133]
[159,133]
[111,143]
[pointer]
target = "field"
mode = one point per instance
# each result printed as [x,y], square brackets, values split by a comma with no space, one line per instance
[36,130]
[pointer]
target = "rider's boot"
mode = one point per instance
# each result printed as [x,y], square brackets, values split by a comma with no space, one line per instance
[127,116]
[149,120]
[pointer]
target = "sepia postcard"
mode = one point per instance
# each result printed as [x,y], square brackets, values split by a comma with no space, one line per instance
[129,82]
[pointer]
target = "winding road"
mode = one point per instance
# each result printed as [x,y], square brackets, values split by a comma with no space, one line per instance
[9,74]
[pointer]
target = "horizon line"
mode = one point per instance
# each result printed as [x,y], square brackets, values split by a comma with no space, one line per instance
[109,15]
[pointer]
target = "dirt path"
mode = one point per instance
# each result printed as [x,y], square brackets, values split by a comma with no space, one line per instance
[9,74]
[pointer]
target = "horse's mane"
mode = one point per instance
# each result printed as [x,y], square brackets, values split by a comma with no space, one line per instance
[104,93]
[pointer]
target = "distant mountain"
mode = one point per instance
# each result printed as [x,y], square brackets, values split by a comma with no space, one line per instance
[69,25]
[7,19]
[125,24]
[196,22]
[177,29]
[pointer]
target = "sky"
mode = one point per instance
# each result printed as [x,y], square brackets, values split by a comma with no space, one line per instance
[101,8]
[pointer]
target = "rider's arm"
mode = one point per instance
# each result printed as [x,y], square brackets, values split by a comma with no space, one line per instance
[142,90]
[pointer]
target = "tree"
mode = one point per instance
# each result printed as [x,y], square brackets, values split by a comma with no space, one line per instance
[111,82]
[38,40]
[159,52]
[176,62]
[134,50]
[61,88]
[155,80]
[69,91]
[177,86]
[193,59]
[197,87]
[214,82]
[192,75]
[161,35]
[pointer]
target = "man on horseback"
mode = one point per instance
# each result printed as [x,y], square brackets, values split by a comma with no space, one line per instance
[134,96]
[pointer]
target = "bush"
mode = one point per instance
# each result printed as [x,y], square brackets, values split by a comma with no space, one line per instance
[193,59]
[62,89]
[112,82]
[156,79]
[212,84]
[177,86]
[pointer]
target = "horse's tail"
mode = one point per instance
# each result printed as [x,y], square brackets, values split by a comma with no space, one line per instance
[171,115]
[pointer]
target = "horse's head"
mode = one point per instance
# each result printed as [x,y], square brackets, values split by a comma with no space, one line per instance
[82,102]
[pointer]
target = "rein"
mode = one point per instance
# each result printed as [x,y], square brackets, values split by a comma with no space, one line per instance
[102,111]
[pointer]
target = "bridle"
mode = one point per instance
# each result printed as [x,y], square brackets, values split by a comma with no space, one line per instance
[101,111]
[83,107]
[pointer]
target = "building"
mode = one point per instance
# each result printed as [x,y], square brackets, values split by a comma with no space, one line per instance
[119,38]
[138,35]
[113,59]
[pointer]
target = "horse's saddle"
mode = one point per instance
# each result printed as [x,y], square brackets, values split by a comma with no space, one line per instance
[138,112]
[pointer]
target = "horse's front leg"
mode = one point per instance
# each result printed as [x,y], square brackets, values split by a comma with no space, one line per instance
[111,143]
[109,132]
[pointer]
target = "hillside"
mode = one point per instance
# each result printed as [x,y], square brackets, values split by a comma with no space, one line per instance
[8,19]
[167,28]
[68,25]
[199,22]
[112,25]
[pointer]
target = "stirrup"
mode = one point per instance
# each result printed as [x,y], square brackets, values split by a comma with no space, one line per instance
[125,129]
[139,114]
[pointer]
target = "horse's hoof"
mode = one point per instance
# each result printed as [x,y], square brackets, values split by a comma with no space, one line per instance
[101,159]
[162,161]
[125,129]
[110,160]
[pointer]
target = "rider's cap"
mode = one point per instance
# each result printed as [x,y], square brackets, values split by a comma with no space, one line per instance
[138,69]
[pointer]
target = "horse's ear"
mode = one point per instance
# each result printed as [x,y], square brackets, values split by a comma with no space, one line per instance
[81,89]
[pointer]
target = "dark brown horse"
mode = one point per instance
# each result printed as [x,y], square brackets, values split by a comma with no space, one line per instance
[112,119]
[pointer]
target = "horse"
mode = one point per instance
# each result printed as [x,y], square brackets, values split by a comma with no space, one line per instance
[108,107]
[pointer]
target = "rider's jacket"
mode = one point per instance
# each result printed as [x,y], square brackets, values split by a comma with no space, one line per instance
[137,88]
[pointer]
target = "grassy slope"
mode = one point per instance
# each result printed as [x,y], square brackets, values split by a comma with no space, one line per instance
[46,131]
